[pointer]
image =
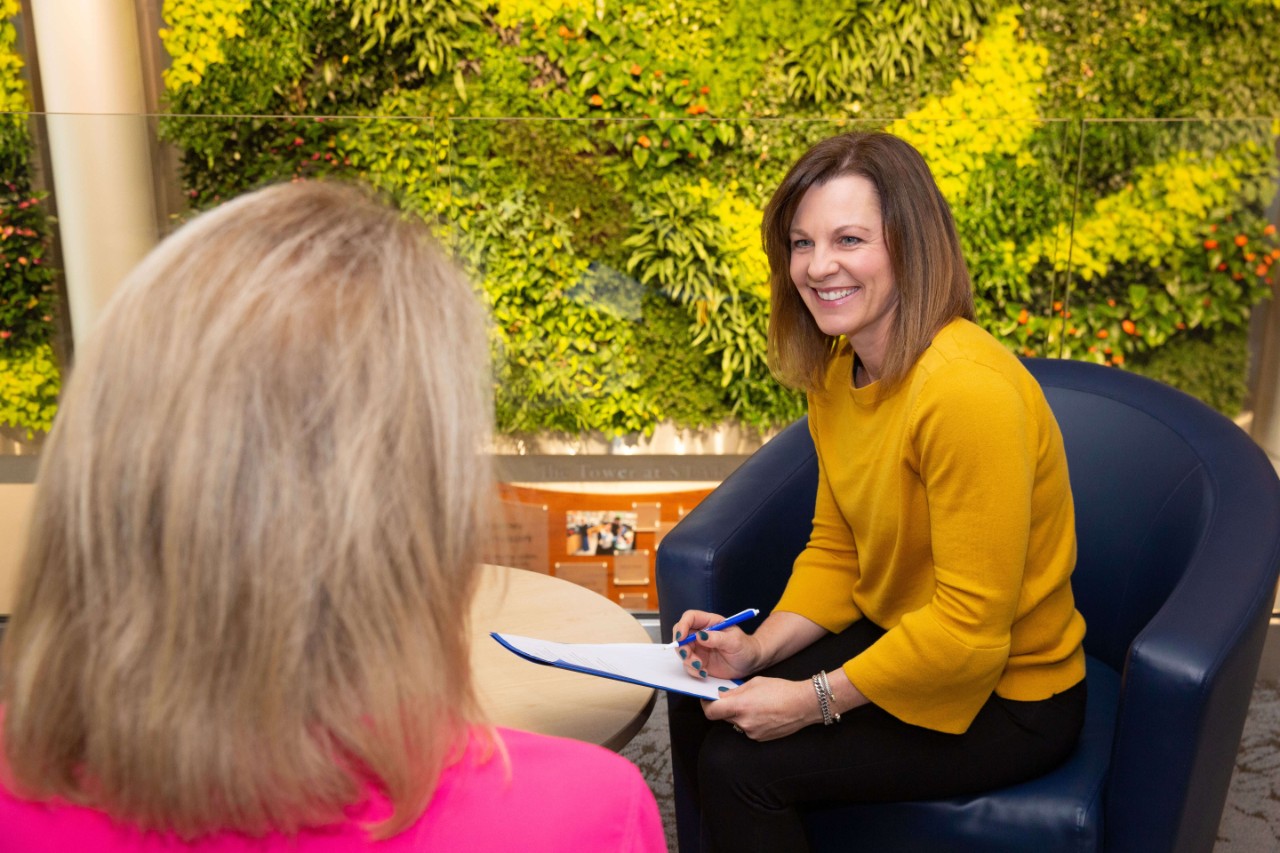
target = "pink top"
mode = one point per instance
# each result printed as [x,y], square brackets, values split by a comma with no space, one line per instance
[562,795]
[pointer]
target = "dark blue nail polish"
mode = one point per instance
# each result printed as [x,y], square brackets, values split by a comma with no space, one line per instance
[702,635]
[724,689]
[683,654]
[703,673]
[679,635]
[697,665]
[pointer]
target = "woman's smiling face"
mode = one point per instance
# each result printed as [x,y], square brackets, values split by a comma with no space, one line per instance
[840,264]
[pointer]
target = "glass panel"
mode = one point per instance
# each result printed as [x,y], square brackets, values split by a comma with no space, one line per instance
[220,157]
[1171,248]
[621,258]
[1008,185]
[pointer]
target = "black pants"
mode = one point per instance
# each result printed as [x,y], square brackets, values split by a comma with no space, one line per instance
[752,793]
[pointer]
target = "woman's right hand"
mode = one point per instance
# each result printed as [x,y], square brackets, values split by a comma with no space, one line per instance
[727,653]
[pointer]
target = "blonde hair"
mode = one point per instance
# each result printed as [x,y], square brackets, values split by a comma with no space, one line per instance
[928,265]
[254,544]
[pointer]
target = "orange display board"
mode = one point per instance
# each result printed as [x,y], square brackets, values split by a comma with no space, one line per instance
[607,542]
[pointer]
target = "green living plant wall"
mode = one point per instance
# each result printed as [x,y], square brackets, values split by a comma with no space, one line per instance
[601,168]
[29,377]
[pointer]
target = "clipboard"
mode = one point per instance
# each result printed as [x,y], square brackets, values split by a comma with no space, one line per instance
[646,664]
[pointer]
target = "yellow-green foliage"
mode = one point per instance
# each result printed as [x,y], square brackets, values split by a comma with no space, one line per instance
[601,166]
[538,12]
[194,39]
[1162,210]
[989,112]
[13,95]
[29,389]
[748,266]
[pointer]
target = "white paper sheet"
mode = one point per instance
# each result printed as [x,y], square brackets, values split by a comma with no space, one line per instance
[640,663]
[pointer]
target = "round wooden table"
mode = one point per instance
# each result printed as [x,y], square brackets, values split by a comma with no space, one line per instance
[520,694]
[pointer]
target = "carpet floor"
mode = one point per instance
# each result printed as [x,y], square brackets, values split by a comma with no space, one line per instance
[1250,821]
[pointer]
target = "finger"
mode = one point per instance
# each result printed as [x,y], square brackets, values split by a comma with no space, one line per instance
[726,641]
[693,665]
[694,620]
[686,656]
[717,709]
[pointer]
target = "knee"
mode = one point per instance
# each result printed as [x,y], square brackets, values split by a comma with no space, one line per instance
[720,754]
[727,770]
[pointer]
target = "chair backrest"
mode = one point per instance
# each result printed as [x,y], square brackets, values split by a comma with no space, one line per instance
[1152,473]
[1141,496]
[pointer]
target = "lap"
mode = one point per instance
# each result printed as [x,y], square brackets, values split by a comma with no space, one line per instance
[871,756]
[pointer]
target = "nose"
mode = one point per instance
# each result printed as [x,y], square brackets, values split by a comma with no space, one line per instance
[822,263]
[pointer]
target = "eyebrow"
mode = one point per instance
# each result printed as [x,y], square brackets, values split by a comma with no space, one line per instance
[848,225]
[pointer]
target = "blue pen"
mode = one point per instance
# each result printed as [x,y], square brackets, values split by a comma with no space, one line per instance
[749,613]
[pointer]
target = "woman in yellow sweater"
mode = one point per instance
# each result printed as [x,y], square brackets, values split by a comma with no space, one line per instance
[929,623]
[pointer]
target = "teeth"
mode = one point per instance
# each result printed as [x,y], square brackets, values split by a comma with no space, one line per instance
[833,295]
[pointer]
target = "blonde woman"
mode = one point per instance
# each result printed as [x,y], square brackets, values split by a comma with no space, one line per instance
[241,621]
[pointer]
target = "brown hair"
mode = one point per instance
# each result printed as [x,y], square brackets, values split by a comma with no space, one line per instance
[253,549]
[928,266]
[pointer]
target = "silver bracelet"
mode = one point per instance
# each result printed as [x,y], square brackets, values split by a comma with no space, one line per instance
[826,698]
[823,703]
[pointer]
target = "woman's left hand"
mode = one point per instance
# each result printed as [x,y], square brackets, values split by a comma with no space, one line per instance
[767,708]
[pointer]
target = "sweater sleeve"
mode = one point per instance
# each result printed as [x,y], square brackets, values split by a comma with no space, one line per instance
[823,576]
[973,440]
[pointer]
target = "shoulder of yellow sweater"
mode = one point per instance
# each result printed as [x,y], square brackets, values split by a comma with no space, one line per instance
[964,341]
[967,369]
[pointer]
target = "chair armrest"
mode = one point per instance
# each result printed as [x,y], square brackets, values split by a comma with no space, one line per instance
[735,549]
[1186,692]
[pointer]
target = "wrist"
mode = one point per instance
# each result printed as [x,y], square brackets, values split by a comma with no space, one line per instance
[758,653]
[845,696]
[811,709]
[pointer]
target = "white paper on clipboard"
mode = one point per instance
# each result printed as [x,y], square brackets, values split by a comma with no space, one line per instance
[639,663]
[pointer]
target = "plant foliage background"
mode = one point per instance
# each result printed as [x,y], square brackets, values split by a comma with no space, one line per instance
[28,374]
[600,167]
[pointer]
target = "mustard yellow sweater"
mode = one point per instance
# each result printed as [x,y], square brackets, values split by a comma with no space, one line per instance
[944,515]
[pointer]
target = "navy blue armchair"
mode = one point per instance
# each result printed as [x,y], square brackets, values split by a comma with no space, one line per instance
[1178,521]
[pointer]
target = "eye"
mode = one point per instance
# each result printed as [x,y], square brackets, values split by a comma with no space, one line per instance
[801,243]
[850,240]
